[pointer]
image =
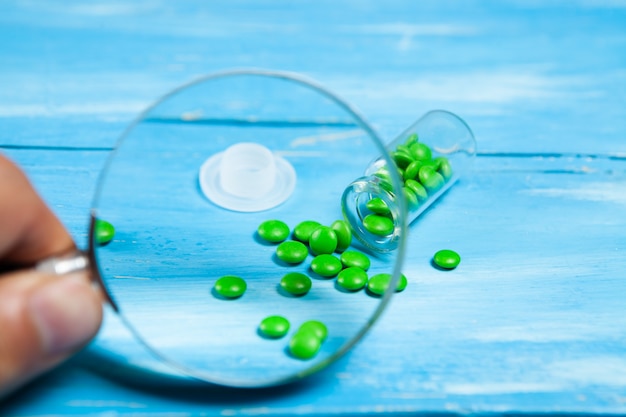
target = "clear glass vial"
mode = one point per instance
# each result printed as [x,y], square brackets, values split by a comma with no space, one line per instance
[430,156]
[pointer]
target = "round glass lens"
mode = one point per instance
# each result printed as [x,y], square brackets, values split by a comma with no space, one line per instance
[190,189]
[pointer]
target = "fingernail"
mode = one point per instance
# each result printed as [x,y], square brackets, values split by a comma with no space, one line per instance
[65,313]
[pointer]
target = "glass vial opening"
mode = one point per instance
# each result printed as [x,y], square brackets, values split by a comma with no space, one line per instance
[430,156]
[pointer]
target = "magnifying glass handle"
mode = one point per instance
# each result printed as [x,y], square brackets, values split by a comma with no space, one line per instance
[73,261]
[65,264]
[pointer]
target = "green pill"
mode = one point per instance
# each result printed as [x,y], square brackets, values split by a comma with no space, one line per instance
[434,183]
[378,206]
[430,178]
[445,169]
[383,173]
[274,327]
[378,225]
[323,240]
[379,283]
[296,283]
[384,179]
[344,234]
[292,252]
[411,171]
[352,279]
[411,139]
[447,259]
[410,197]
[304,345]
[318,329]
[103,232]
[426,172]
[420,151]
[303,230]
[355,259]
[230,286]
[402,159]
[326,265]
[417,188]
[403,148]
[273,231]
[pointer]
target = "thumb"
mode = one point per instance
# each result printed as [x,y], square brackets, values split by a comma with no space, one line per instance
[43,319]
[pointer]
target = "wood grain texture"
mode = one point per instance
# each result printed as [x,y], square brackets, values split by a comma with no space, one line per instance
[533,321]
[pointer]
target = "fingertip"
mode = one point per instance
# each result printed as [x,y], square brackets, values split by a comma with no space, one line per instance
[66,313]
[44,319]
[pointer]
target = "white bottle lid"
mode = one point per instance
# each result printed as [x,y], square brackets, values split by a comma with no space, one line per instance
[247,177]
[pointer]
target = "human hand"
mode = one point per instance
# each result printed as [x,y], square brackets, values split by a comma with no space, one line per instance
[43,318]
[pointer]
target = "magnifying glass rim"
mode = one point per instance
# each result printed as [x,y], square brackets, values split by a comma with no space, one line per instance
[363,124]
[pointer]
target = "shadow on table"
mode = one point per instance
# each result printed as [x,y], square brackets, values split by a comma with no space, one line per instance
[190,389]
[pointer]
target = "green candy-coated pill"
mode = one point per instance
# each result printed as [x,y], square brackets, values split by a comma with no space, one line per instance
[383,173]
[379,283]
[445,169]
[411,171]
[273,231]
[230,286]
[426,172]
[433,163]
[352,279]
[403,148]
[326,265]
[410,197]
[384,179]
[103,231]
[318,329]
[420,151]
[411,139]
[344,234]
[323,240]
[402,283]
[402,159]
[303,230]
[447,259]
[434,183]
[378,225]
[296,283]
[378,206]
[292,252]
[417,188]
[430,178]
[274,327]
[304,345]
[355,259]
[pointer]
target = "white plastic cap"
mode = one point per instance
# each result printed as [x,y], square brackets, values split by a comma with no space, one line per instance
[247,177]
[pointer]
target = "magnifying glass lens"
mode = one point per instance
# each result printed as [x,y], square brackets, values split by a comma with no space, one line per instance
[174,241]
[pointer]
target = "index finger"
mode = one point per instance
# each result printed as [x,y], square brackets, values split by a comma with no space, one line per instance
[29,230]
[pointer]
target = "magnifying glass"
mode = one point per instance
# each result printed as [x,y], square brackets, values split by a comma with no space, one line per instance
[208,187]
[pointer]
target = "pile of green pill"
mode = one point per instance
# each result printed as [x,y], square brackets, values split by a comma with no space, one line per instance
[332,257]
[421,175]
[325,243]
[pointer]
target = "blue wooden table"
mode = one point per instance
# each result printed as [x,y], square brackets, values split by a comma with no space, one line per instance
[533,321]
